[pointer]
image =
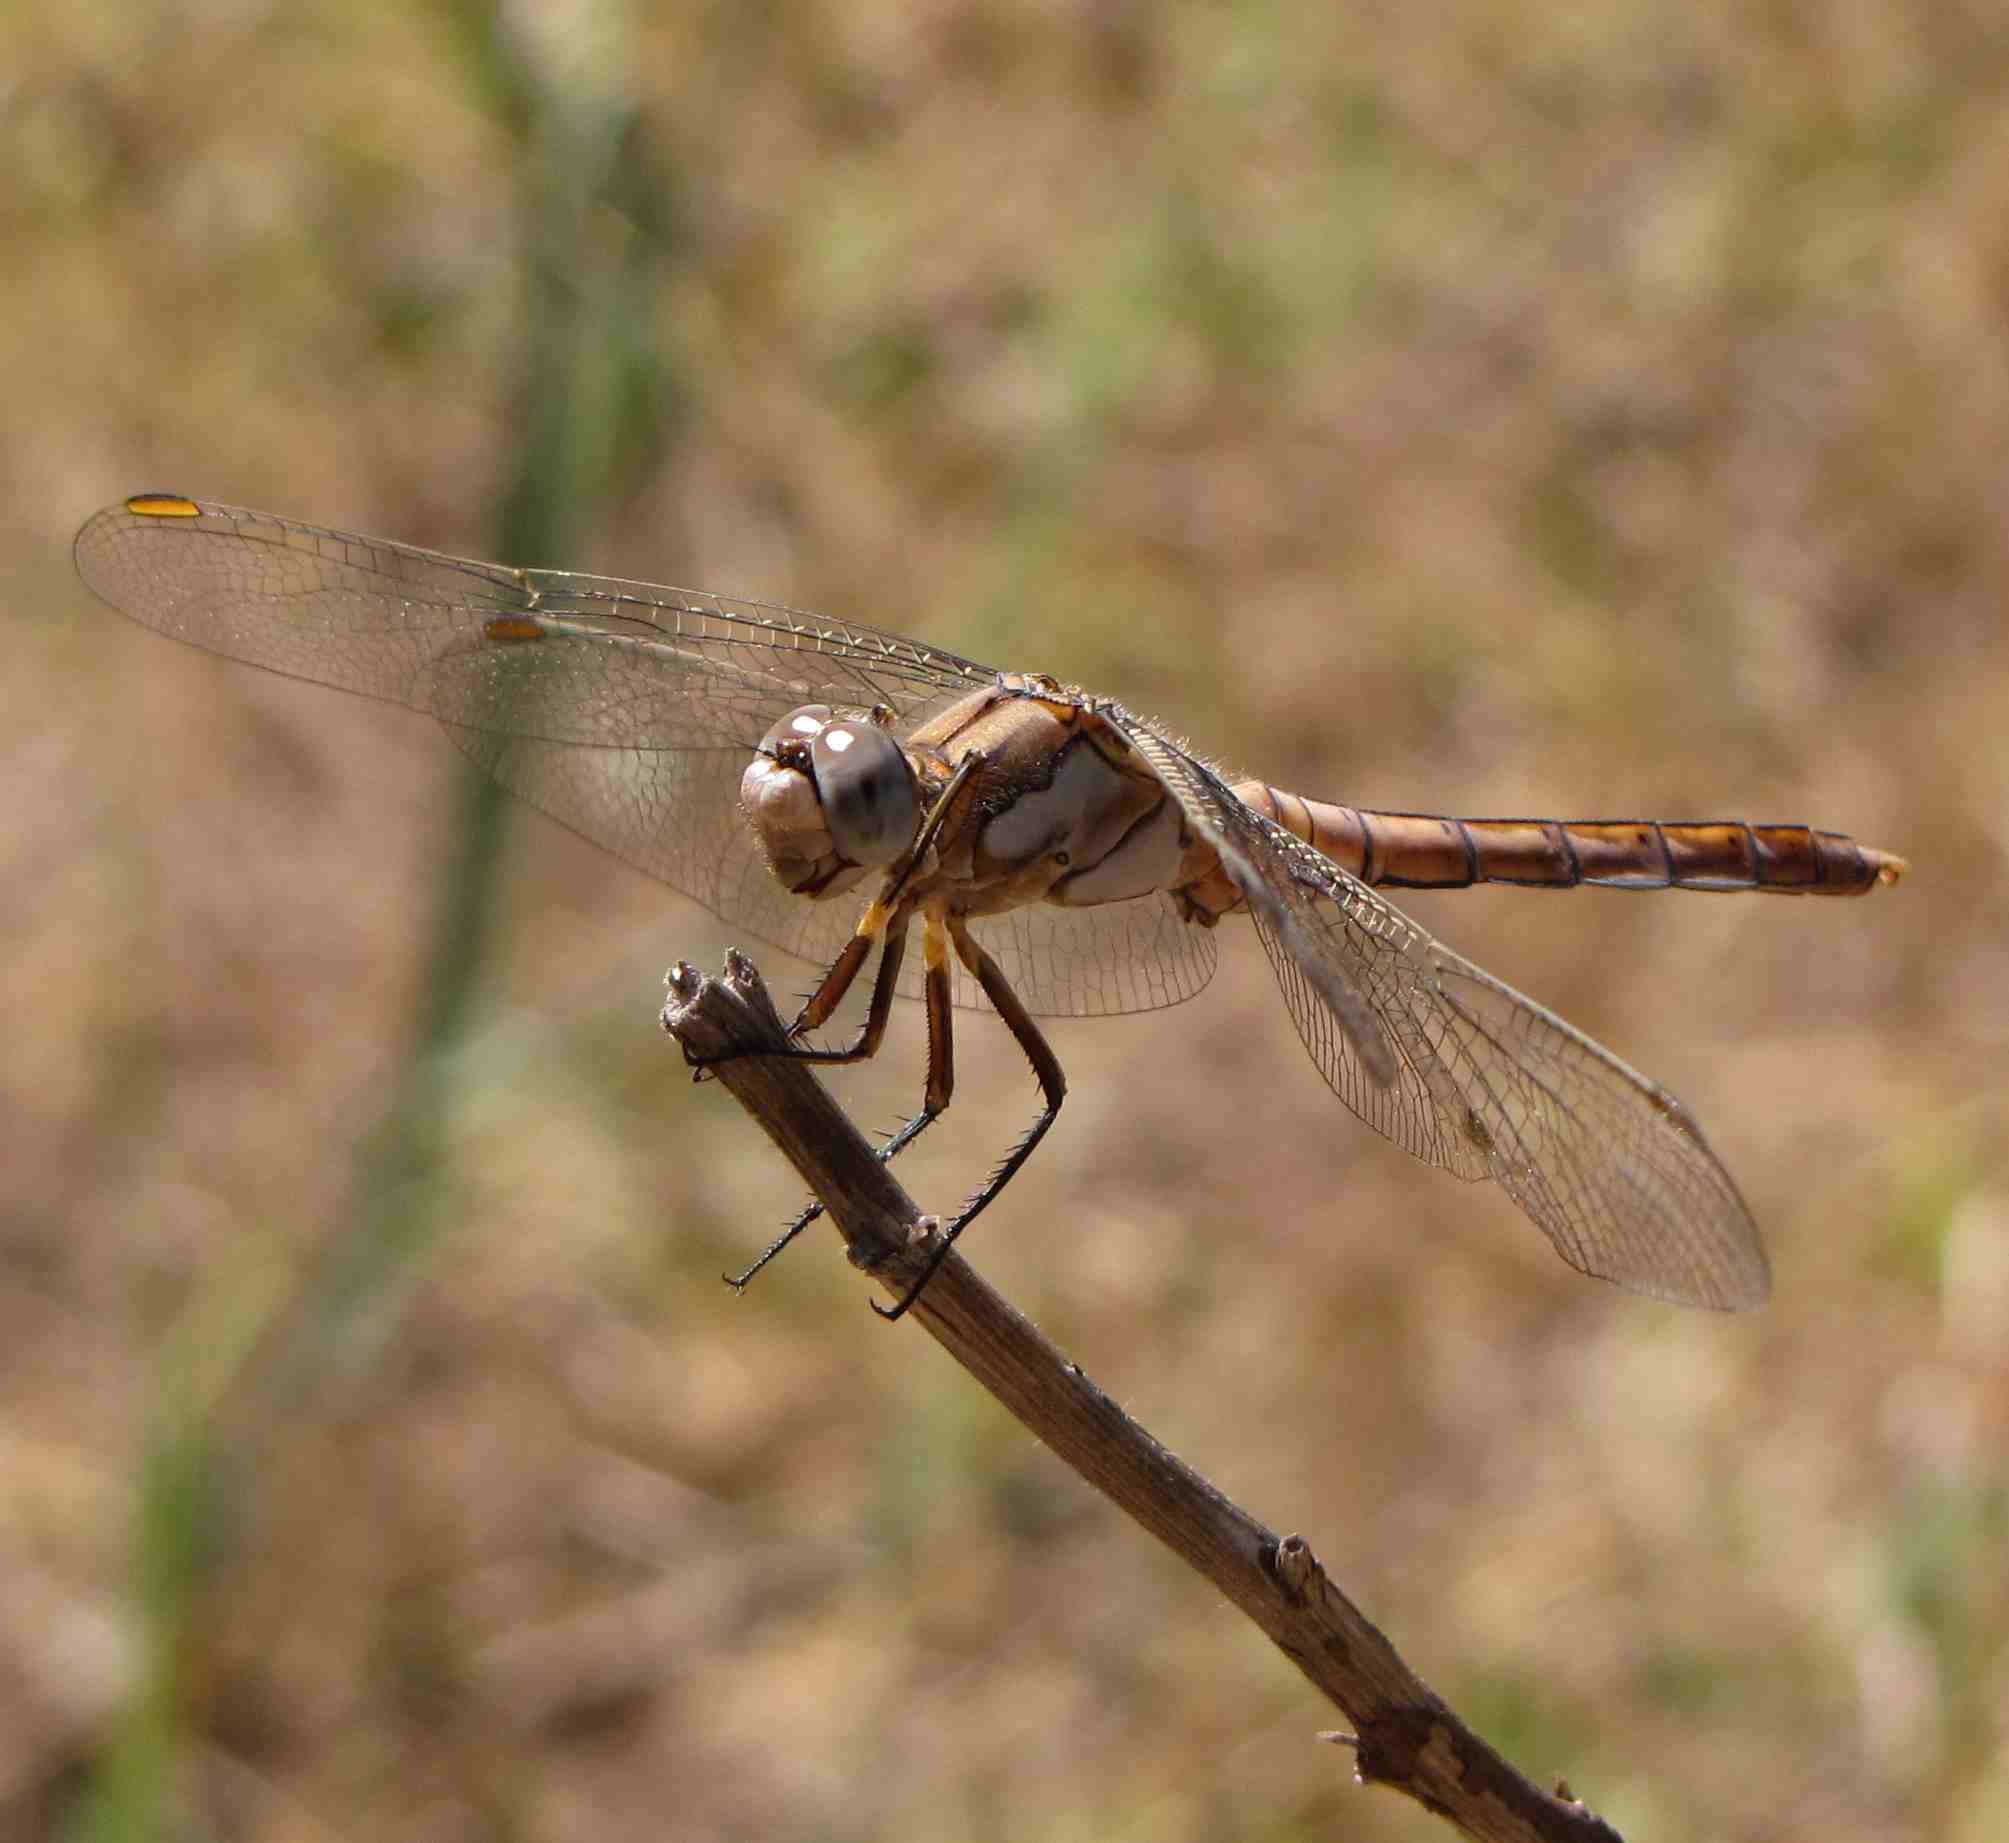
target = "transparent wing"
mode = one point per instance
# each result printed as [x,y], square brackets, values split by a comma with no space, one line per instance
[675,814]
[631,665]
[1465,1073]
[625,710]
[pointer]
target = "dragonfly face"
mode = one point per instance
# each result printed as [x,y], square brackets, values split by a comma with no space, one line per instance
[830,796]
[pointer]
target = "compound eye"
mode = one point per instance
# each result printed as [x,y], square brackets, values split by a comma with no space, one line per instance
[869,798]
[800,727]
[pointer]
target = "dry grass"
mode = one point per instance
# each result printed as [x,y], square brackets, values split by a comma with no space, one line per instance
[1602,412]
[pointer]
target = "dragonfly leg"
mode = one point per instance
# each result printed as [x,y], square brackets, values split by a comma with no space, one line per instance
[886,920]
[878,926]
[1052,1087]
[935,1098]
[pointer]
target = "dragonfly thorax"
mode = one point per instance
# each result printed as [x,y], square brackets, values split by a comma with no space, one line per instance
[829,794]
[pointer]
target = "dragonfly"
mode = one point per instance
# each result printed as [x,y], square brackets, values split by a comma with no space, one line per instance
[827,786]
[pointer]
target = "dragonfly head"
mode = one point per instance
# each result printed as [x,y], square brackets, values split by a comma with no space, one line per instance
[829,794]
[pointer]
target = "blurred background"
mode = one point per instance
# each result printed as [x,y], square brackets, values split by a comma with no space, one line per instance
[1498,410]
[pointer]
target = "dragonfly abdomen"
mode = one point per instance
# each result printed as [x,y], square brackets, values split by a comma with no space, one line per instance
[1435,851]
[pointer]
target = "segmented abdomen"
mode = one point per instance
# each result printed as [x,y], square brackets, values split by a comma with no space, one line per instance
[1433,851]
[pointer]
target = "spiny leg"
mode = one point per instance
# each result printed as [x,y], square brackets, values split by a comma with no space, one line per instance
[876,925]
[1052,1085]
[866,1044]
[892,1148]
[879,925]
[887,917]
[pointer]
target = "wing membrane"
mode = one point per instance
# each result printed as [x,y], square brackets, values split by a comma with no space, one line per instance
[1465,1073]
[392,621]
[626,711]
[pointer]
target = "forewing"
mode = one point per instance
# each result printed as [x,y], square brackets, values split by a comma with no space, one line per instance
[624,710]
[616,664]
[1485,1083]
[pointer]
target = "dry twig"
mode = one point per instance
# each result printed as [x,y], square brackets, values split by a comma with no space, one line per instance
[1402,1736]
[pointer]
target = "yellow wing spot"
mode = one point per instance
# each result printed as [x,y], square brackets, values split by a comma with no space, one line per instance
[162,505]
[511,630]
